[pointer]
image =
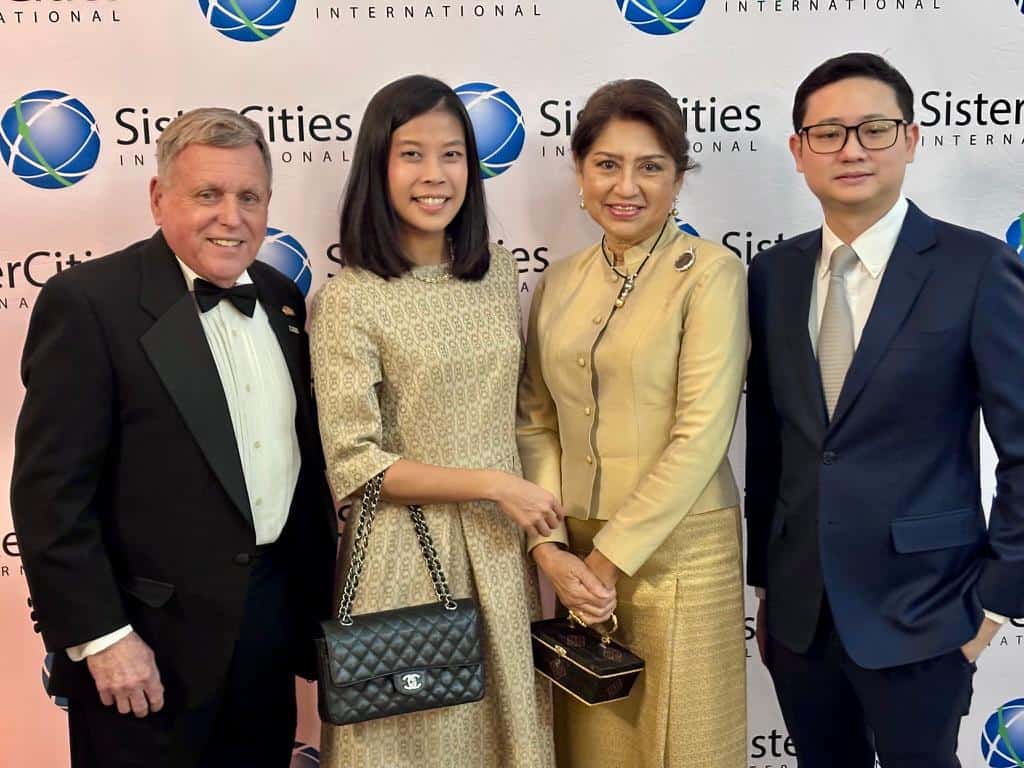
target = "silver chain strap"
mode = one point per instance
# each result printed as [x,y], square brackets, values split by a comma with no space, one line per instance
[367,513]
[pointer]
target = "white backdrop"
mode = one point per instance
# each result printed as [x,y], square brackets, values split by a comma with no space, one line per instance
[86,86]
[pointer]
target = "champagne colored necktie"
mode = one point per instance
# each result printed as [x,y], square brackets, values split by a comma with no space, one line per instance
[835,339]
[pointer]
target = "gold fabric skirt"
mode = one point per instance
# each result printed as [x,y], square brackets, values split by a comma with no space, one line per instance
[682,612]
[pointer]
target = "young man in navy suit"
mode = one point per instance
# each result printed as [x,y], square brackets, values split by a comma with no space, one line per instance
[876,341]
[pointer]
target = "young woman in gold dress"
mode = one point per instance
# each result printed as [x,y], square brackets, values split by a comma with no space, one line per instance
[416,356]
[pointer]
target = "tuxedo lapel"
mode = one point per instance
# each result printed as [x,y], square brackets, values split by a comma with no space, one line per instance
[904,277]
[177,347]
[798,352]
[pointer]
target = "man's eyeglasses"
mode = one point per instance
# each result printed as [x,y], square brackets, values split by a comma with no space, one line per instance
[828,138]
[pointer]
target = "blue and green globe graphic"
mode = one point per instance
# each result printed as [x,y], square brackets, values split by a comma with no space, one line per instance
[660,17]
[1015,234]
[248,21]
[60,701]
[686,227]
[497,125]
[49,139]
[286,254]
[1002,740]
[304,756]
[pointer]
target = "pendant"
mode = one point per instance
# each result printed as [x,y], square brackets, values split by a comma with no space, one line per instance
[624,292]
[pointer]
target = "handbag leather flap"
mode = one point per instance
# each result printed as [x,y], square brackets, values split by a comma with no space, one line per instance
[403,641]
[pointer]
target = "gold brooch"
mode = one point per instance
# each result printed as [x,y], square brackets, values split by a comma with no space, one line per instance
[686,260]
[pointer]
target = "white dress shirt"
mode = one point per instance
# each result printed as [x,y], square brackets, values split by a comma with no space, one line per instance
[261,401]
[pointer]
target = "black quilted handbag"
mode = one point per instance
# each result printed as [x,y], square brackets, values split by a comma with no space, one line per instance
[405,660]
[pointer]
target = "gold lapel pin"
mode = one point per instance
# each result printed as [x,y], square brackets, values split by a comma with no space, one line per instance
[293,329]
[288,311]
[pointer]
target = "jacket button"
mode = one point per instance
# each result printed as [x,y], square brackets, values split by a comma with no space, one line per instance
[30,602]
[828,457]
[243,558]
[36,628]
[581,361]
[598,319]
[34,616]
[590,459]
[587,411]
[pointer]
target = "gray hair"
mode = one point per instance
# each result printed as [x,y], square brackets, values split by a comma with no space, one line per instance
[212,127]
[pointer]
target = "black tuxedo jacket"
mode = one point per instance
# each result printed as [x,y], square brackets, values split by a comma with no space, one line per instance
[880,508]
[128,495]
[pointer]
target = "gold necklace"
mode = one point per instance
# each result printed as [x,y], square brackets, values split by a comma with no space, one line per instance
[443,277]
[446,266]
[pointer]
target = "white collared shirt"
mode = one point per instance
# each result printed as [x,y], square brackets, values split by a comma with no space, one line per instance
[874,247]
[261,401]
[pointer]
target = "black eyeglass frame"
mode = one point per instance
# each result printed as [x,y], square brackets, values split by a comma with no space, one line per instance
[856,129]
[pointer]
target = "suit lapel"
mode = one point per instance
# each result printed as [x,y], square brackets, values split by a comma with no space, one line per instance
[800,267]
[904,277]
[177,347]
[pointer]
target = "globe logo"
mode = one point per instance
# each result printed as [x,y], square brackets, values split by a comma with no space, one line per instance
[1002,740]
[1015,234]
[48,139]
[248,21]
[286,254]
[661,17]
[60,701]
[497,125]
[304,756]
[686,227]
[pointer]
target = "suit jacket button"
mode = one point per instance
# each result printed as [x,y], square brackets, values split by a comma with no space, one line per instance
[30,602]
[828,457]
[243,558]
[36,628]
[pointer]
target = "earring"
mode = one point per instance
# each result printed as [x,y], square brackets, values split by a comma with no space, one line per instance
[674,213]
[583,205]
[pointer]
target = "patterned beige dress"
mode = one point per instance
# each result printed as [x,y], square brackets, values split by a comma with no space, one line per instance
[428,371]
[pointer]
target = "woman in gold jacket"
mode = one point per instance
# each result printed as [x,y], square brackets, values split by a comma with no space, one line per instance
[636,353]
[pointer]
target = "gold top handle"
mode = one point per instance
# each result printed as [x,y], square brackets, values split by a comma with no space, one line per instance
[606,637]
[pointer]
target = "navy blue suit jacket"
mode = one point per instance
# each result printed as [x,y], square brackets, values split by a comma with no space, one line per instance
[880,508]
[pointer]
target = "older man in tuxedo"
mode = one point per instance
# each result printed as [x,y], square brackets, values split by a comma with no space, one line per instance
[168,492]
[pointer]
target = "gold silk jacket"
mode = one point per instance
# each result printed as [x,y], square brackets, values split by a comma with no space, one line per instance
[626,413]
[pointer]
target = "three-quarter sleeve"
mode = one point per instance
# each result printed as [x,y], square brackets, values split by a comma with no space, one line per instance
[712,361]
[537,424]
[346,374]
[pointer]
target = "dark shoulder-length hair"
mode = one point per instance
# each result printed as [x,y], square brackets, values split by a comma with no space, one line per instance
[369,224]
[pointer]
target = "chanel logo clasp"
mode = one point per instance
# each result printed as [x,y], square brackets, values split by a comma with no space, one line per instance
[412,681]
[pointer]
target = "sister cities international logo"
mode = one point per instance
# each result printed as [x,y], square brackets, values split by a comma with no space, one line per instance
[49,139]
[660,17]
[248,21]
[1002,739]
[1015,232]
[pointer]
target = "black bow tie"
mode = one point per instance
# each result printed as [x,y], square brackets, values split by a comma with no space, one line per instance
[242,296]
